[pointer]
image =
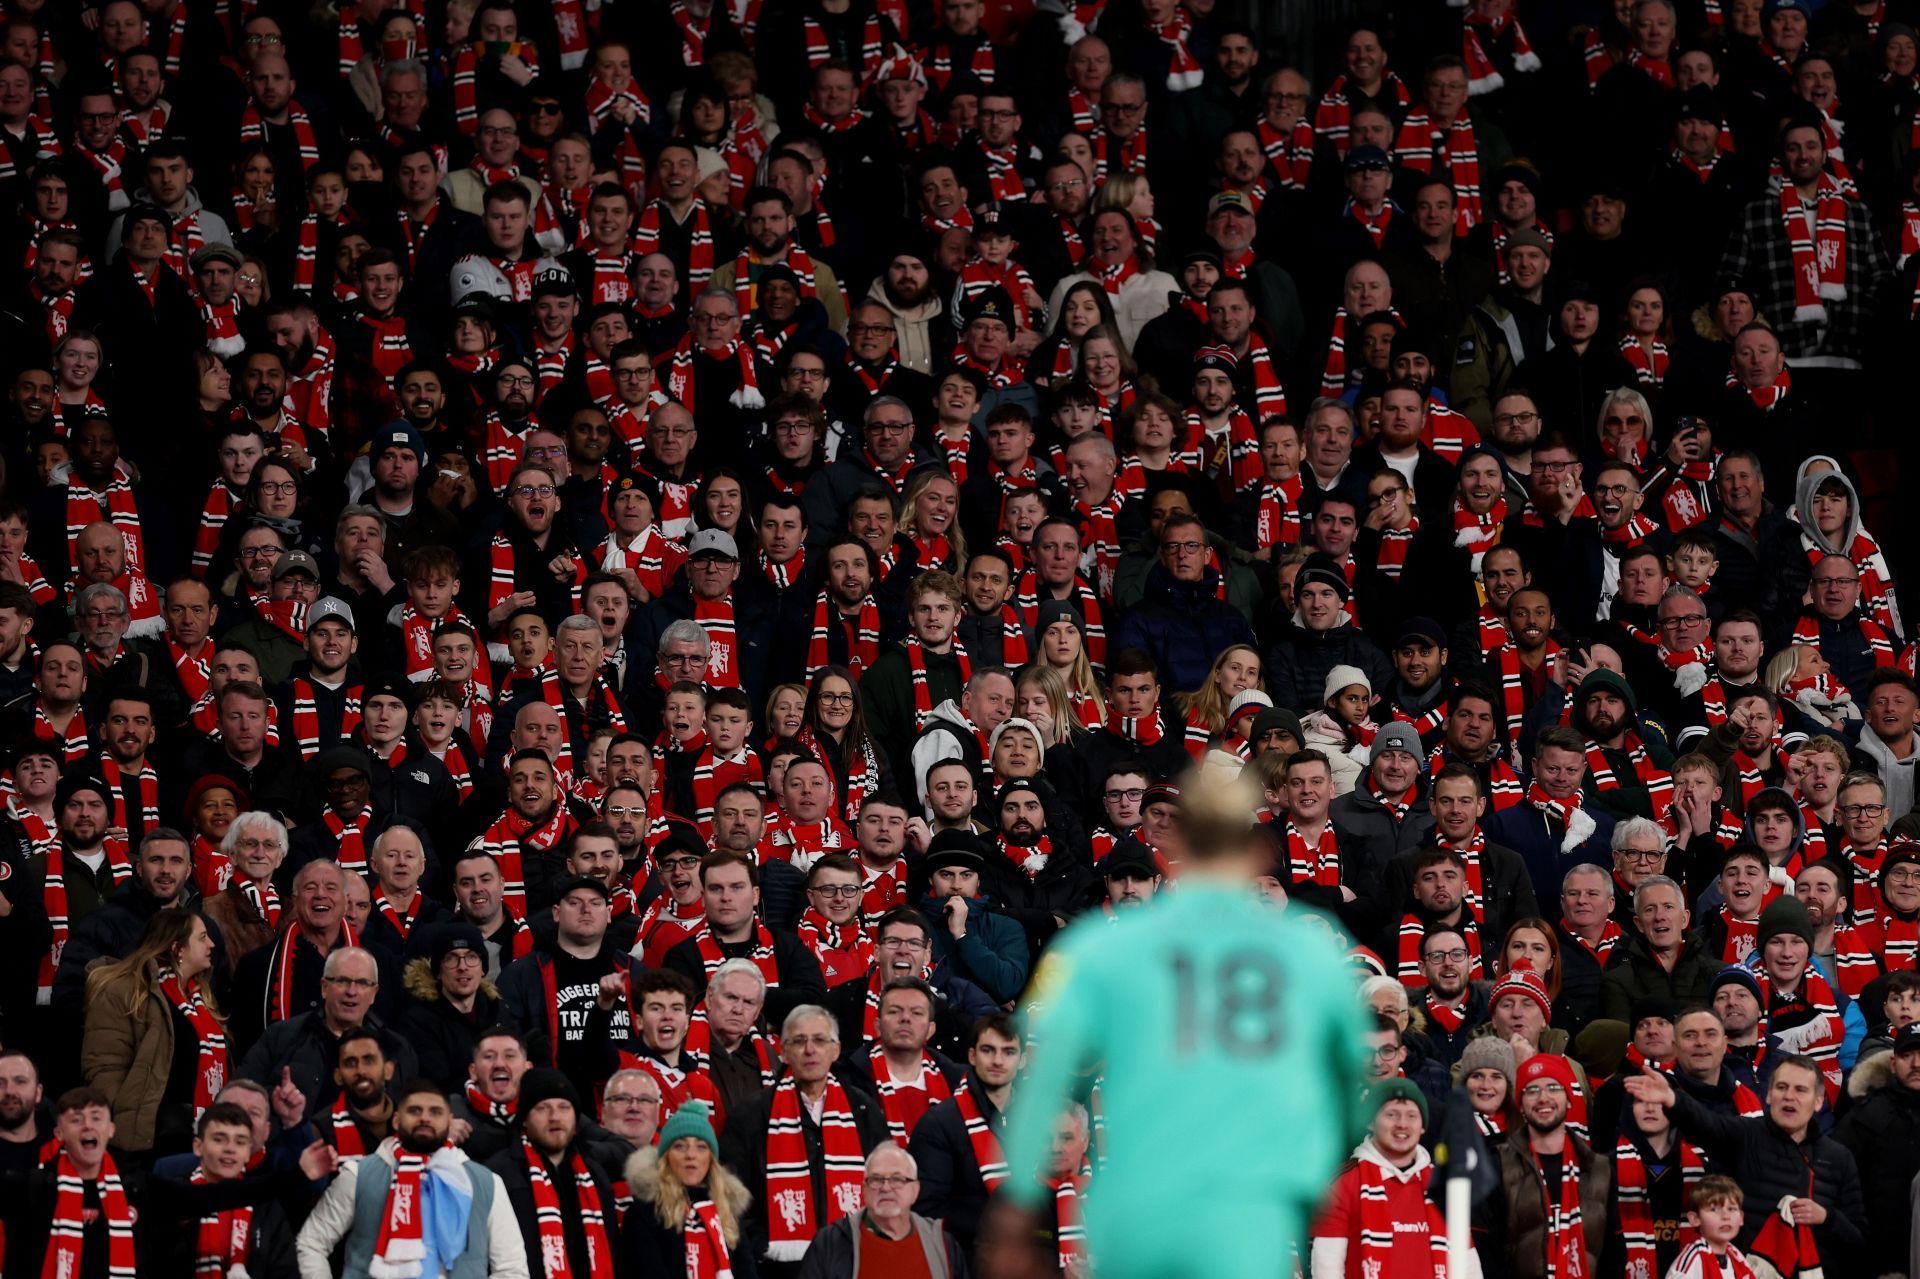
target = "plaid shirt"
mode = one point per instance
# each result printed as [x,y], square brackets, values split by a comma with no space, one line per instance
[1758,253]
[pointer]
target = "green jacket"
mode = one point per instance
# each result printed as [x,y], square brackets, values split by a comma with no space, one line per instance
[886,693]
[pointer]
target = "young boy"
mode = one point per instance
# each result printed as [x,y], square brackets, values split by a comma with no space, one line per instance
[457,661]
[437,727]
[1693,560]
[992,264]
[1714,1210]
[956,398]
[726,760]
[432,575]
[1076,410]
[530,649]
[682,720]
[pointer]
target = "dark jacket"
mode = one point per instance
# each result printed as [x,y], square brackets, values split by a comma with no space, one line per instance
[1883,1135]
[950,1185]
[1506,894]
[1182,627]
[1639,976]
[743,1148]
[1298,665]
[510,1165]
[1365,824]
[1537,838]
[753,623]
[1580,978]
[527,996]
[443,1036]
[835,1252]
[992,953]
[305,1046]
[1036,902]
[1771,1166]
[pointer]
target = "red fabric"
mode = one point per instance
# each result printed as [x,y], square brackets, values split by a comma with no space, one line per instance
[793,1217]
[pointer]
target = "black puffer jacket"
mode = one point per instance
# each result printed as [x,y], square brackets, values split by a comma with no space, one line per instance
[1771,1166]
[1298,664]
[1883,1134]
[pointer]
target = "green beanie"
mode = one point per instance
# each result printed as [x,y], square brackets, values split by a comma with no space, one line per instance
[1784,915]
[1395,1089]
[689,1121]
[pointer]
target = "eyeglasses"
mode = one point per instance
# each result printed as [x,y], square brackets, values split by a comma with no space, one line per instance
[1458,955]
[260,552]
[1131,794]
[544,108]
[1902,875]
[1067,185]
[1864,810]
[103,615]
[629,1099]
[284,488]
[354,983]
[683,660]
[1383,498]
[1553,468]
[903,943]
[1385,1052]
[1125,108]
[499,131]
[1642,855]
[792,428]
[679,863]
[623,810]
[856,330]
[835,699]
[631,373]
[883,1182]
[514,379]
[1684,619]
[842,891]
[1186,548]
[892,428]
[1549,1088]
[527,492]
[1835,581]
[1515,419]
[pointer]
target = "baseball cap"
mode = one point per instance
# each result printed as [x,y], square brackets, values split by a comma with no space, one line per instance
[217,253]
[301,562]
[713,541]
[583,881]
[328,606]
[1230,200]
[1367,157]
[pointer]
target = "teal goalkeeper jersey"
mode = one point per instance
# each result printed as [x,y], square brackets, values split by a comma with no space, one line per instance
[1229,1037]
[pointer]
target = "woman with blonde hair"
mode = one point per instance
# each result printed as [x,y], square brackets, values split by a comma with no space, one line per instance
[929,518]
[137,1010]
[687,1205]
[1237,669]
[1040,695]
[1060,645]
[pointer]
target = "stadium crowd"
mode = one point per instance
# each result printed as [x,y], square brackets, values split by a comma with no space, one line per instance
[585,586]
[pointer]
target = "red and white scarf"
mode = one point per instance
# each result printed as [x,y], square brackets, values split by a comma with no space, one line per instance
[551,1226]
[793,1217]
[863,646]
[1636,1208]
[1378,1226]
[66,1239]
[1451,152]
[1817,240]
[1183,69]
[210,1064]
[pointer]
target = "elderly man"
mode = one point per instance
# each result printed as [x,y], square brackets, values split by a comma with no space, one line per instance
[308,1043]
[794,1144]
[1662,959]
[712,371]
[886,1232]
[1181,621]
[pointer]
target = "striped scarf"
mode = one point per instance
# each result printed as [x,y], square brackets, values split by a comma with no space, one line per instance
[210,1064]
[1566,1240]
[646,239]
[1649,363]
[872,44]
[1817,240]
[1813,999]
[1448,151]
[510,837]
[254,129]
[1317,863]
[922,691]
[53,897]
[988,1155]
[1412,929]
[66,1241]
[224,1240]
[551,1226]
[1658,782]
[1378,1226]
[1636,1209]
[863,646]
[1333,117]
[793,1218]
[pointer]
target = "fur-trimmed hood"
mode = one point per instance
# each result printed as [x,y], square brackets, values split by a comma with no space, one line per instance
[644,1171]
[419,981]
[1870,1074]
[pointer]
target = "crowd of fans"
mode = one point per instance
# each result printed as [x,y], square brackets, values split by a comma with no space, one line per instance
[585,586]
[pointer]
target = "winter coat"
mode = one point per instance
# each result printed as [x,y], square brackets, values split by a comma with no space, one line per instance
[1297,666]
[1542,843]
[1182,626]
[1640,976]
[1324,734]
[743,1148]
[441,1034]
[992,954]
[510,1166]
[1771,1166]
[1506,894]
[127,1053]
[887,692]
[1883,1135]
[1034,902]
[1515,1216]
[835,1251]
[1364,822]
[648,1248]
[951,1188]
[304,1045]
